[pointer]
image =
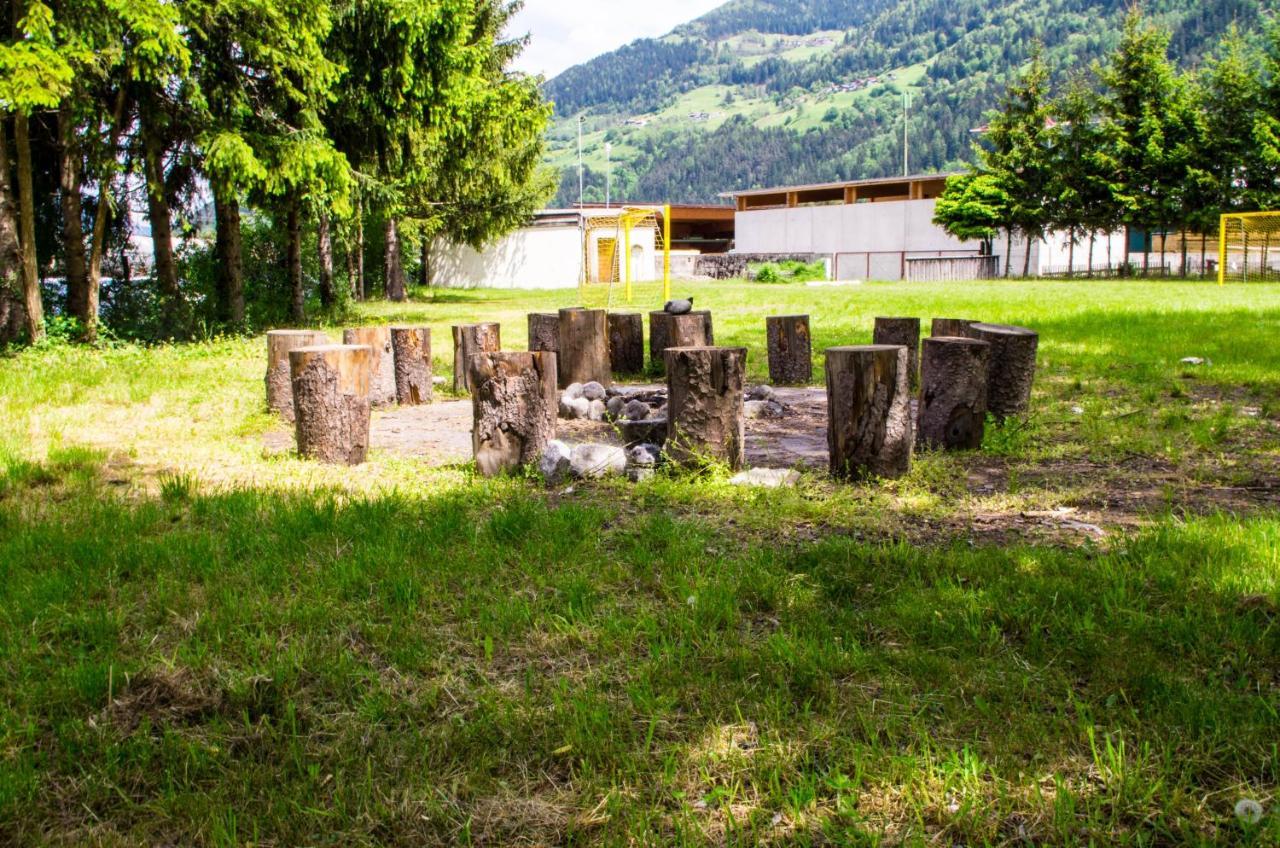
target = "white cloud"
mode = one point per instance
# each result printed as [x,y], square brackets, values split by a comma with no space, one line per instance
[567,32]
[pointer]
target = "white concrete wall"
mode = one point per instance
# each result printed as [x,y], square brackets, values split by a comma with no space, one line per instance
[532,258]
[1055,253]
[893,226]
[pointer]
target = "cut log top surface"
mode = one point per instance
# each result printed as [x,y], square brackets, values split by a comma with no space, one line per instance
[1002,329]
[955,340]
[350,362]
[871,348]
[787,318]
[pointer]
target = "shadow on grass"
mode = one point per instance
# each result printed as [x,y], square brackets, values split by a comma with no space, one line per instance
[485,665]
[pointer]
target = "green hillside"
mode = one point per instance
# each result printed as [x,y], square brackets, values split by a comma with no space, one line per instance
[758,93]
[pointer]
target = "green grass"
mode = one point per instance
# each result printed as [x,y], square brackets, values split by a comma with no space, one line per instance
[204,644]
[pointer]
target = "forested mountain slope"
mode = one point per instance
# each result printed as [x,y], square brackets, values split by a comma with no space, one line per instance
[762,92]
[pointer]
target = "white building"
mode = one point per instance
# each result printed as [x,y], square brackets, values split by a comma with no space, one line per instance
[883,230]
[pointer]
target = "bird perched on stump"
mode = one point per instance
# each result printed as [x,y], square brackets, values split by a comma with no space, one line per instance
[678,307]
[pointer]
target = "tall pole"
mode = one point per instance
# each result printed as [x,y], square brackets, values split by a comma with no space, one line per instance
[608,173]
[906,140]
[581,119]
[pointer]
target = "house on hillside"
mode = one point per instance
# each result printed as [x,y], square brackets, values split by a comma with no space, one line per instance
[882,229]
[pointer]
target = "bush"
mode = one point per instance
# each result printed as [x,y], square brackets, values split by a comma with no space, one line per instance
[790,271]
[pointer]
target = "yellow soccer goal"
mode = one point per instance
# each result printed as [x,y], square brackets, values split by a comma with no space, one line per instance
[1249,247]
[626,246]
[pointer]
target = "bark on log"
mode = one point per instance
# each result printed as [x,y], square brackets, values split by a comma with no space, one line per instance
[790,349]
[1012,369]
[705,404]
[514,408]
[584,347]
[667,330]
[953,397]
[544,331]
[707,328]
[904,332]
[626,342]
[331,401]
[279,378]
[952,327]
[469,340]
[411,347]
[869,431]
[382,378]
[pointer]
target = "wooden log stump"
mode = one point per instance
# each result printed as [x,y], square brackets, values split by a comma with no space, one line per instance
[707,330]
[411,347]
[904,332]
[705,405]
[469,340]
[1012,369]
[279,379]
[331,402]
[953,327]
[584,347]
[544,331]
[953,395]
[626,342]
[667,330]
[382,375]
[514,408]
[790,349]
[869,431]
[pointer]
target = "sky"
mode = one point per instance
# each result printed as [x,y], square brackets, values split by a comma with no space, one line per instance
[568,32]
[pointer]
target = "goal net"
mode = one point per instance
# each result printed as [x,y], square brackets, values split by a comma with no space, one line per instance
[622,247]
[1249,247]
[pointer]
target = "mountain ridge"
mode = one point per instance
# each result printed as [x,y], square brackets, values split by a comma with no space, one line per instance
[722,103]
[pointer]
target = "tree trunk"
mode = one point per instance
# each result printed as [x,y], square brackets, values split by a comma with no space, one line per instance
[707,329]
[75,267]
[1008,252]
[324,240]
[790,349]
[279,379]
[103,213]
[869,411]
[626,342]
[424,263]
[513,408]
[229,248]
[1012,367]
[12,311]
[293,262]
[1185,258]
[544,331]
[1026,259]
[360,291]
[705,405]
[331,402]
[904,332]
[953,393]
[1204,250]
[1071,254]
[382,366]
[667,330]
[166,267]
[954,327]
[33,305]
[393,266]
[1093,242]
[469,340]
[411,347]
[584,347]
[349,254]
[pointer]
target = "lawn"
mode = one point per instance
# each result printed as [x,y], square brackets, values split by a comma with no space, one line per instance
[1071,637]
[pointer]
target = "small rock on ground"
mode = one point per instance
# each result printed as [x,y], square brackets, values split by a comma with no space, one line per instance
[595,461]
[768,478]
[555,462]
[753,409]
[574,390]
[597,410]
[762,393]
[636,410]
[593,391]
[574,407]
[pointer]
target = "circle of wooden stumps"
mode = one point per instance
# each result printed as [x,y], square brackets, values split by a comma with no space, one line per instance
[279,379]
[411,349]
[331,402]
[469,340]
[692,329]
[790,349]
[904,332]
[514,401]
[869,429]
[584,347]
[626,342]
[544,331]
[1012,371]
[382,374]
[705,405]
[953,394]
